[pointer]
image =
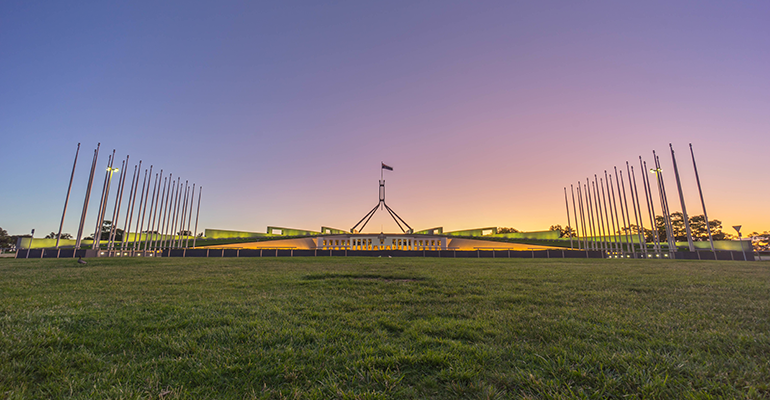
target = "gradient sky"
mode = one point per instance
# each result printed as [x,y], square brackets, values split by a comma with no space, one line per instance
[282,111]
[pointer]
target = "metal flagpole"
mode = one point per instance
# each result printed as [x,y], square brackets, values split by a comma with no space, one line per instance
[664,204]
[146,195]
[189,218]
[150,220]
[681,200]
[566,203]
[697,178]
[171,212]
[130,207]
[597,216]
[599,211]
[197,214]
[157,244]
[100,214]
[637,206]
[111,171]
[587,195]
[141,211]
[182,213]
[172,235]
[651,208]
[164,213]
[577,218]
[621,196]
[582,216]
[610,245]
[67,199]
[115,208]
[156,217]
[614,217]
[88,196]
[624,211]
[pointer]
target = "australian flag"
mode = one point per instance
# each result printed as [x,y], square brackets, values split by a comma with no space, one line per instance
[389,168]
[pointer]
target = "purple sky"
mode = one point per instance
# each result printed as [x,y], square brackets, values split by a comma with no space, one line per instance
[283,111]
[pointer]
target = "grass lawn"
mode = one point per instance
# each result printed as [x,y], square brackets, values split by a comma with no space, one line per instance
[376,328]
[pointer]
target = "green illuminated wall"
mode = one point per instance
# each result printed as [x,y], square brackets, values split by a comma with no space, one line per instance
[473,232]
[224,234]
[539,235]
[290,231]
[332,231]
[431,231]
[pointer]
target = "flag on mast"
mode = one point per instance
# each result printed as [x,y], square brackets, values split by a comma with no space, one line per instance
[389,168]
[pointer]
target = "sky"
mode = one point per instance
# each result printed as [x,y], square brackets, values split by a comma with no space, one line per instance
[283,111]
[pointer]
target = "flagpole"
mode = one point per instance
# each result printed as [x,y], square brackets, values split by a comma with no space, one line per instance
[139,212]
[130,207]
[88,196]
[651,208]
[599,210]
[575,211]
[189,218]
[637,206]
[197,214]
[67,199]
[162,213]
[624,211]
[664,204]
[697,178]
[115,207]
[582,216]
[142,209]
[566,203]
[587,195]
[614,216]
[681,200]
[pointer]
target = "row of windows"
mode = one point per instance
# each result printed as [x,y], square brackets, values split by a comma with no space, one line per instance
[366,244]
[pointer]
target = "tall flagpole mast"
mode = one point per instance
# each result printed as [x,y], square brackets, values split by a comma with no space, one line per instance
[575,211]
[624,206]
[116,207]
[67,199]
[590,210]
[88,196]
[189,218]
[637,206]
[566,203]
[697,178]
[681,200]
[651,208]
[197,214]
[130,206]
[142,209]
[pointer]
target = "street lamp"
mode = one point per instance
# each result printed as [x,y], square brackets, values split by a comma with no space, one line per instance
[738,229]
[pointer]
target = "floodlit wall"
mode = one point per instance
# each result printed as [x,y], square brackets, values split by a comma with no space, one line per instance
[40,243]
[224,234]
[474,232]
[326,230]
[276,230]
[537,235]
[431,231]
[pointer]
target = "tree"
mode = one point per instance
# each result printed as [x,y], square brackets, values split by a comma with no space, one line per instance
[567,231]
[6,241]
[633,230]
[184,233]
[507,230]
[760,241]
[52,235]
[106,227]
[697,228]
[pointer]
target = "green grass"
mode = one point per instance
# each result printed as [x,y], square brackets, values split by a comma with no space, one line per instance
[376,328]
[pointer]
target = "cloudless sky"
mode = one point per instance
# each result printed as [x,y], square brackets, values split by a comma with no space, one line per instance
[283,111]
